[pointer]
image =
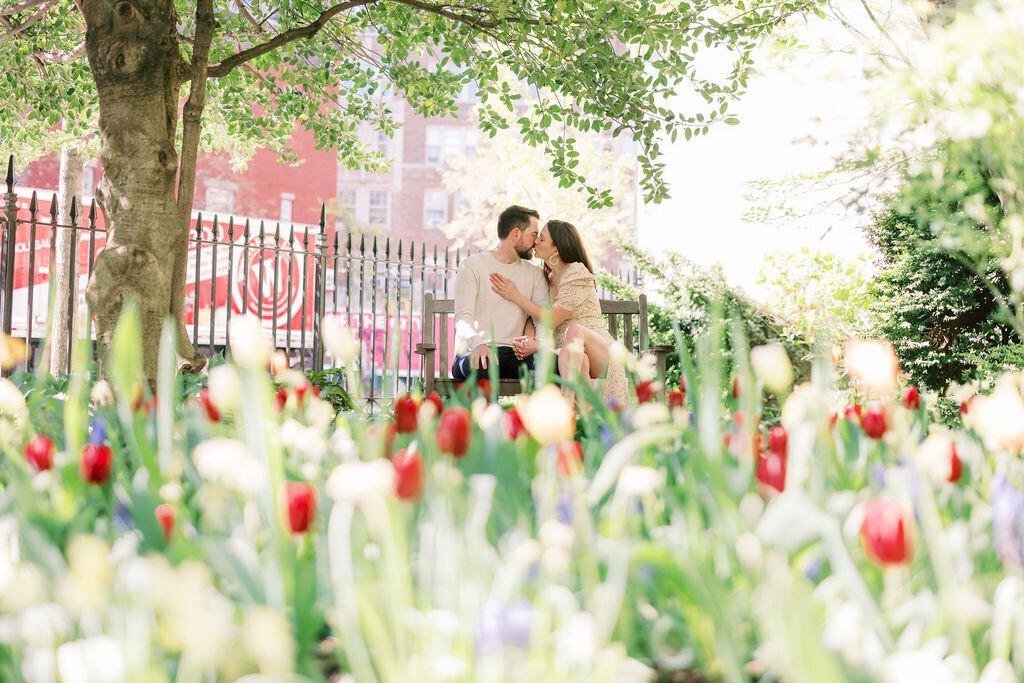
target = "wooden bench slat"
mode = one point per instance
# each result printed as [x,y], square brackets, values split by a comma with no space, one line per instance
[613,325]
[609,306]
[627,331]
[444,343]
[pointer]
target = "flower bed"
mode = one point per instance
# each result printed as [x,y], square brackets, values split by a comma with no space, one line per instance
[239,530]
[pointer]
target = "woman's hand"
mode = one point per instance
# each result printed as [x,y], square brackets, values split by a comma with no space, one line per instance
[504,287]
[524,346]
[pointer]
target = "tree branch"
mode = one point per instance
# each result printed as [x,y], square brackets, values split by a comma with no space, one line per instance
[308,31]
[36,16]
[20,7]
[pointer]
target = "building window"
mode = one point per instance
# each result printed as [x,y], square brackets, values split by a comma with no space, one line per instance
[346,209]
[383,143]
[435,209]
[446,142]
[378,207]
[220,200]
[286,207]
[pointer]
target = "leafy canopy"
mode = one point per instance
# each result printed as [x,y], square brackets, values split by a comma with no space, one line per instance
[276,67]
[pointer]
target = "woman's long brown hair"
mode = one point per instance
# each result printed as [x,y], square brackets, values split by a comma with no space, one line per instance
[566,239]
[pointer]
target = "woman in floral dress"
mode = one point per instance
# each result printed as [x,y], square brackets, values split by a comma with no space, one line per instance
[581,337]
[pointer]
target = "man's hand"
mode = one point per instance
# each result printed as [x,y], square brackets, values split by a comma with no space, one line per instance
[479,357]
[524,346]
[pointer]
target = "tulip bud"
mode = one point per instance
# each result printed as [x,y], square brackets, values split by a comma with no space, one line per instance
[95,463]
[300,505]
[207,404]
[644,391]
[224,388]
[777,440]
[884,533]
[408,465]
[435,398]
[278,363]
[249,347]
[406,413]
[339,340]
[548,416]
[280,399]
[772,366]
[771,472]
[911,398]
[570,458]
[453,432]
[676,399]
[736,386]
[853,413]
[873,422]
[165,517]
[512,425]
[301,389]
[682,385]
[101,394]
[39,452]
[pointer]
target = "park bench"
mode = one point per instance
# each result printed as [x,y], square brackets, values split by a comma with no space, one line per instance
[438,315]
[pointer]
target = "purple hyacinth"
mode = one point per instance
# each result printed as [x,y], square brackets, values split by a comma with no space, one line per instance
[1007,521]
[97,431]
[487,630]
[515,622]
[564,507]
[606,436]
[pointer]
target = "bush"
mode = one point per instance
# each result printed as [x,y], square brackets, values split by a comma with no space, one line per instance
[940,315]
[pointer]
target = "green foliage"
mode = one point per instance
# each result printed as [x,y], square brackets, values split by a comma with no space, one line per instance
[820,297]
[940,315]
[590,65]
[329,382]
[690,297]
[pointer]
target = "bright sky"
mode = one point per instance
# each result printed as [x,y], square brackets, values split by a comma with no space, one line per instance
[783,108]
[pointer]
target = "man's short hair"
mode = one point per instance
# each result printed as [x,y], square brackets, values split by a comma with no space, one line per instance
[515,217]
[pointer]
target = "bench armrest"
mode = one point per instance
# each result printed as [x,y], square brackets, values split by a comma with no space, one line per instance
[663,348]
[423,349]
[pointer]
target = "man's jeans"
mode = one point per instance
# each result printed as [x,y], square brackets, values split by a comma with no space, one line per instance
[508,365]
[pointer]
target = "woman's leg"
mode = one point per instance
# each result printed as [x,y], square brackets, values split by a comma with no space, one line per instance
[571,358]
[595,349]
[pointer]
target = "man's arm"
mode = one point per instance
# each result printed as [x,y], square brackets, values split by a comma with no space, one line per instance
[467,329]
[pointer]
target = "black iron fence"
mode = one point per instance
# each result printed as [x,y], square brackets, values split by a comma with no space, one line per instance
[290,277]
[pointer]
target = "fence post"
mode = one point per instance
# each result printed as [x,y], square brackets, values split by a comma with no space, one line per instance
[9,238]
[320,293]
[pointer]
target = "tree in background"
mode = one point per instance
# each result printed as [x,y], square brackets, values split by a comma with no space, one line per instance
[818,297]
[255,72]
[507,171]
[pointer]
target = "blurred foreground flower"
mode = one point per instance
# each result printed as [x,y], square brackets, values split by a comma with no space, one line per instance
[95,462]
[299,502]
[39,452]
[548,417]
[938,458]
[359,482]
[165,517]
[999,418]
[12,401]
[228,462]
[454,431]
[885,532]
[339,340]
[873,364]
[248,346]
[1007,521]
[406,412]
[408,464]
[12,351]
[772,366]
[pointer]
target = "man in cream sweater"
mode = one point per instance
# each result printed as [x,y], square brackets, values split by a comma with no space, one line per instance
[483,316]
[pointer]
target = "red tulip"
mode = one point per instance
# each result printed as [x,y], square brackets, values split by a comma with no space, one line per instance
[911,398]
[738,417]
[435,398]
[833,418]
[736,386]
[165,517]
[570,458]
[853,413]
[884,533]
[644,391]
[676,399]
[95,463]
[301,389]
[777,440]
[873,422]
[682,385]
[956,466]
[39,452]
[280,399]
[771,471]
[512,424]
[408,474]
[965,406]
[484,387]
[406,410]
[300,504]
[211,410]
[453,432]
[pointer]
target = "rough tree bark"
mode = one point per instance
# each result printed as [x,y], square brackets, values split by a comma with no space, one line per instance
[66,275]
[133,55]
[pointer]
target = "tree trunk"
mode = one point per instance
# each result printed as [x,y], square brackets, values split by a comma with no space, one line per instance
[132,47]
[66,277]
